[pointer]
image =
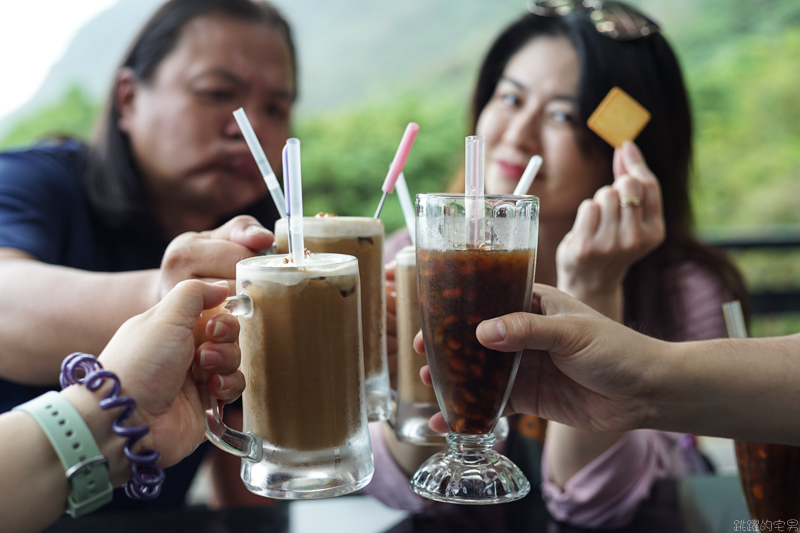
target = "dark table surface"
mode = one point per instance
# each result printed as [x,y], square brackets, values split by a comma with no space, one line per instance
[710,504]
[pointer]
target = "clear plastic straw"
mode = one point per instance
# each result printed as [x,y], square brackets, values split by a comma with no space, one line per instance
[734,319]
[407,206]
[526,180]
[473,190]
[294,201]
[261,159]
[286,207]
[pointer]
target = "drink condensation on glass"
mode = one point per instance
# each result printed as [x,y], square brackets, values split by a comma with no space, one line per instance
[362,238]
[461,285]
[305,428]
[416,402]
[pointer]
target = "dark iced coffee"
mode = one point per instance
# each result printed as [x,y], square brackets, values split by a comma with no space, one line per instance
[458,290]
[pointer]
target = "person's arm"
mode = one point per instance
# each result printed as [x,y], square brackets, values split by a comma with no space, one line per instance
[151,354]
[592,261]
[52,310]
[587,371]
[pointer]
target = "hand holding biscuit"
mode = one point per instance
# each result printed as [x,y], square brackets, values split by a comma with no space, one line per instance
[622,223]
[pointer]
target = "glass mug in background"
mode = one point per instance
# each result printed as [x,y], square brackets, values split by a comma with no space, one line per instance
[475,260]
[362,238]
[305,426]
[416,402]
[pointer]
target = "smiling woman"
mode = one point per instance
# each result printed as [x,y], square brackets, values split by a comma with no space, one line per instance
[605,235]
[106,230]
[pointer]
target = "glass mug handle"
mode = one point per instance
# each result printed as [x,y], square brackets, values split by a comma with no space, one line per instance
[245,445]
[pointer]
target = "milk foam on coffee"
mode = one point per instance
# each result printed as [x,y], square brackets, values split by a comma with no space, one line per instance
[300,351]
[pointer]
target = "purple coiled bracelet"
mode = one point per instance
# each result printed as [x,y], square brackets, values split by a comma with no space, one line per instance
[146,476]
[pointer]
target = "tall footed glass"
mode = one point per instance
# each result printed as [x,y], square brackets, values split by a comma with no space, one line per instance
[472,268]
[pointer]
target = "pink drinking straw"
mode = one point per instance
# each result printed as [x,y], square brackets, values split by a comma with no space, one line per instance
[398,163]
[473,188]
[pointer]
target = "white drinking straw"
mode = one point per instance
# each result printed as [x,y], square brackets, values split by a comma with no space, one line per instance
[407,206]
[286,206]
[473,190]
[526,180]
[294,201]
[734,319]
[261,160]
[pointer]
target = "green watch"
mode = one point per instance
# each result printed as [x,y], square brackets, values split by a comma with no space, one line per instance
[85,467]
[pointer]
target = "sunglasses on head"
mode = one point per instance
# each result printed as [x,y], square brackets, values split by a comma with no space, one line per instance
[612,19]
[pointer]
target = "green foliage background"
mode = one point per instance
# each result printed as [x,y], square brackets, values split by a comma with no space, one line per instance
[742,64]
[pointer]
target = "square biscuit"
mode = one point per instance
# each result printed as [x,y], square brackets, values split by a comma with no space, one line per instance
[618,118]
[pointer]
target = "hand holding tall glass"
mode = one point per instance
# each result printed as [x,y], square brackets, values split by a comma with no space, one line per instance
[476,257]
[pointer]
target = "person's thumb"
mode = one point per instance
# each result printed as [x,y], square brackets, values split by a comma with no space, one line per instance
[517,331]
[184,303]
[634,163]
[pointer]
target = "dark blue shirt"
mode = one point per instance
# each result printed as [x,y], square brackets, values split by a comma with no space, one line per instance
[44,212]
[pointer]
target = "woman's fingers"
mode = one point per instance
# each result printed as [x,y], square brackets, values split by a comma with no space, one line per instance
[419,346]
[632,207]
[217,358]
[438,424]
[425,375]
[608,199]
[220,357]
[618,165]
[223,327]
[635,165]
[587,220]
[226,387]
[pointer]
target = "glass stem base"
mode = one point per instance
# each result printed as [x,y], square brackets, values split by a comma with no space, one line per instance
[470,472]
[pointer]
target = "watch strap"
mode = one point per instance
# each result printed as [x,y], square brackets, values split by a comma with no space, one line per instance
[85,467]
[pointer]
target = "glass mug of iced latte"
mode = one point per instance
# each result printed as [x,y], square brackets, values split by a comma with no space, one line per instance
[305,424]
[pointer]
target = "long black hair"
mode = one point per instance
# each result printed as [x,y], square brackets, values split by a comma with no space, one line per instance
[112,181]
[647,69]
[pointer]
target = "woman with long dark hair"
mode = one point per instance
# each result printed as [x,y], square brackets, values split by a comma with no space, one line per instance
[615,225]
[91,235]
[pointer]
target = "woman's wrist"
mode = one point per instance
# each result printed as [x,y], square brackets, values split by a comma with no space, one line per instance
[100,422]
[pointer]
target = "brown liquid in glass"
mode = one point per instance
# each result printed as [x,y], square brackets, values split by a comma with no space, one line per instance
[458,290]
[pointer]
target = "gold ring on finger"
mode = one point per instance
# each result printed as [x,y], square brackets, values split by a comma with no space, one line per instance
[630,201]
